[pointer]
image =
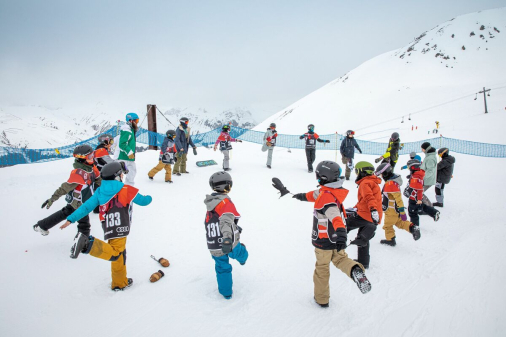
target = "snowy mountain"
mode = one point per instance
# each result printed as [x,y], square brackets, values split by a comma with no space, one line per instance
[43,127]
[433,78]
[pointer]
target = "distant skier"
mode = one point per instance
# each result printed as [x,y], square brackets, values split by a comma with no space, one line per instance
[224,140]
[166,158]
[115,200]
[416,206]
[347,150]
[367,213]
[77,189]
[102,151]
[270,137]
[183,141]
[222,231]
[429,165]
[310,138]
[127,146]
[330,232]
[444,174]
[392,153]
[393,206]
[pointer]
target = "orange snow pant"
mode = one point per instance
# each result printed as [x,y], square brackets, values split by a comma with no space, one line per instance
[392,218]
[159,167]
[114,250]
[321,274]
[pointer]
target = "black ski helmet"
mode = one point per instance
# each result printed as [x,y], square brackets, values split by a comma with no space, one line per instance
[225,128]
[385,170]
[112,170]
[184,120]
[106,138]
[273,125]
[350,133]
[221,182]
[83,153]
[413,164]
[327,172]
[443,152]
[310,127]
[395,136]
[171,134]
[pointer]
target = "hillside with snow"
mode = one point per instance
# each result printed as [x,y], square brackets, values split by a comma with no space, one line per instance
[433,78]
[43,127]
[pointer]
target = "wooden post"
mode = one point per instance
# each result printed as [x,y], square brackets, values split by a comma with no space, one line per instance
[152,122]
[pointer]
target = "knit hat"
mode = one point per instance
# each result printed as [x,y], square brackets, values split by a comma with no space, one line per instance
[425,145]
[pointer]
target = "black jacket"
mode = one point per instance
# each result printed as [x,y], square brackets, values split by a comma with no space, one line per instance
[445,169]
[348,146]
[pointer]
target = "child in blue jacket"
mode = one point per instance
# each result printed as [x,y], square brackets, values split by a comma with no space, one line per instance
[115,200]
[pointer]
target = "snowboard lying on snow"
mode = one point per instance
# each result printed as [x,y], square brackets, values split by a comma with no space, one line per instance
[206,163]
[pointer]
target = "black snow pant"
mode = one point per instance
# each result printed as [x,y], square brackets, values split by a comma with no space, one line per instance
[440,187]
[311,157]
[366,231]
[83,225]
[415,210]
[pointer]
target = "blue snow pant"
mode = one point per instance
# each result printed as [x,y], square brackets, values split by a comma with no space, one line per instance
[224,268]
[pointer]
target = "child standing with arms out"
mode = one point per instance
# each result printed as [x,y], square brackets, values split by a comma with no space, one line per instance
[222,231]
[329,232]
[224,140]
[166,158]
[115,200]
[393,206]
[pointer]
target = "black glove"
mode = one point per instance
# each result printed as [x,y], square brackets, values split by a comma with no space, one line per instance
[195,151]
[47,203]
[226,246]
[300,196]
[342,237]
[360,151]
[327,141]
[340,246]
[301,137]
[377,160]
[375,216]
[279,186]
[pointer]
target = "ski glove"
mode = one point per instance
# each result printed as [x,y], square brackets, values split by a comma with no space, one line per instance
[342,237]
[375,216]
[195,151]
[279,186]
[131,156]
[300,196]
[226,247]
[156,276]
[47,203]
[402,213]
[360,151]
[377,160]
[327,141]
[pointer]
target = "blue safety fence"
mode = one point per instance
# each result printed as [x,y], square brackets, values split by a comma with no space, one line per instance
[12,156]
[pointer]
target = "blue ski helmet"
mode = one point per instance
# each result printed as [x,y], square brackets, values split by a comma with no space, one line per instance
[131,116]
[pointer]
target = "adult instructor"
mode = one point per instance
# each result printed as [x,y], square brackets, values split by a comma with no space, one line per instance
[127,145]
[183,140]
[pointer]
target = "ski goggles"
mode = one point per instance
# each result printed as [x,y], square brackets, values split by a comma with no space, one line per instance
[89,157]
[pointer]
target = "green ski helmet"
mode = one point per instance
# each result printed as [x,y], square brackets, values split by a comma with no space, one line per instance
[363,169]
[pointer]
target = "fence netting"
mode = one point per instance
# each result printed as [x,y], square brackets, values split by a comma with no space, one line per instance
[13,156]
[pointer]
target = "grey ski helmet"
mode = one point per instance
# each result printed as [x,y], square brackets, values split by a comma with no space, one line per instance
[443,152]
[395,136]
[84,153]
[413,164]
[273,125]
[384,169]
[105,138]
[112,170]
[184,120]
[170,134]
[221,182]
[328,172]
[350,133]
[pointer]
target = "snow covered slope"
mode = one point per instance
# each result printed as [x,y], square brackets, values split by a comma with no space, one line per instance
[449,283]
[433,78]
[43,127]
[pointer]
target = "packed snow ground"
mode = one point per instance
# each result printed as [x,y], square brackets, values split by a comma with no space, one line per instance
[449,283]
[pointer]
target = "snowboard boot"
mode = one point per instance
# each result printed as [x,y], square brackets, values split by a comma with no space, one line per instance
[391,243]
[80,245]
[150,178]
[43,232]
[358,275]
[415,230]
[177,173]
[436,216]
[227,169]
[326,305]
[438,204]
[185,172]
[347,178]
[310,170]
[130,281]
[169,181]
[268,166]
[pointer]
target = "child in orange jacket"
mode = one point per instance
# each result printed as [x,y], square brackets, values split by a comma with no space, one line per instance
[366,215]
[329,232]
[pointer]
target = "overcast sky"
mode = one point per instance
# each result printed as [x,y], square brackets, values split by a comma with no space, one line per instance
[261,55]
